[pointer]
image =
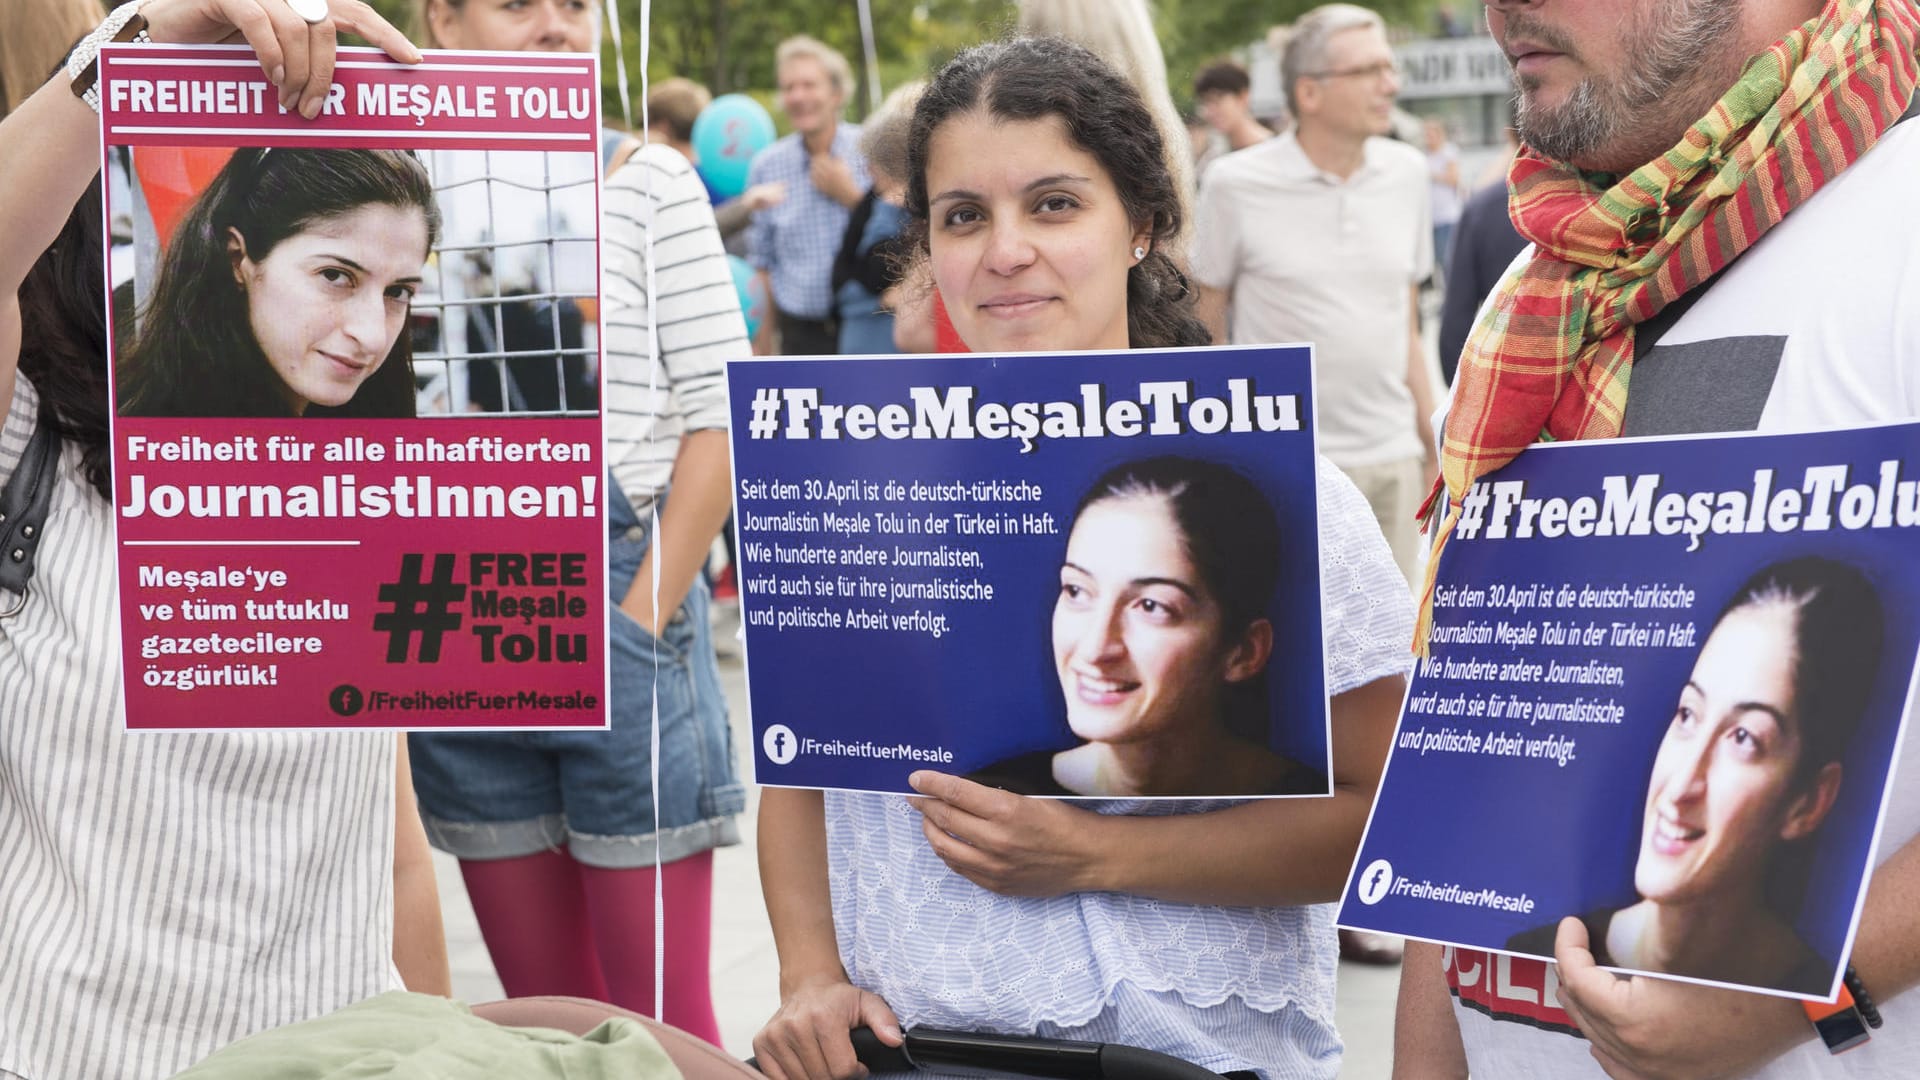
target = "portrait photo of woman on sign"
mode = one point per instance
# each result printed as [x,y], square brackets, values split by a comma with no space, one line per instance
[1161,639]
[1745,776]
[286,290]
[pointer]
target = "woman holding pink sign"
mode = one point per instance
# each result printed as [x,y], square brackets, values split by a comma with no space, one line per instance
[164,894]
[562,836]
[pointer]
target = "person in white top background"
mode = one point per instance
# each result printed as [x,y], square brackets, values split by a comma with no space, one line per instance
[560,835]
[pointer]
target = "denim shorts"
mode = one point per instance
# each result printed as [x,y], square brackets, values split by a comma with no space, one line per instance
[497,795]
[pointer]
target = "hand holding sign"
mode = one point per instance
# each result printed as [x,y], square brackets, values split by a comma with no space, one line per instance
[1007,843]
[296,53]
[1644,1028]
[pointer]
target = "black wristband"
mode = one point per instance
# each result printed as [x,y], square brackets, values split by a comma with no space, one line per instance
[1861,999]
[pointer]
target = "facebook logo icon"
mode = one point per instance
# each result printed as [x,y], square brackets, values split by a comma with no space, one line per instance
[1375,880]
[780,744]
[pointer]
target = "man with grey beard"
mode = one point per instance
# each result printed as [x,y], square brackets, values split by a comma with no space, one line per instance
[1722,198]
[1624,98]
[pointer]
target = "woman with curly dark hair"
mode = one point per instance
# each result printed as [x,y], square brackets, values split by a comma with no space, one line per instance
[1202,929]
[1095,268]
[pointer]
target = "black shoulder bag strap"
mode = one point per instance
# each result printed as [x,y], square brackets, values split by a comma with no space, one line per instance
[24,503]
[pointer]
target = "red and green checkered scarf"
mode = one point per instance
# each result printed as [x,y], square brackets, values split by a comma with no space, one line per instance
[1553,350]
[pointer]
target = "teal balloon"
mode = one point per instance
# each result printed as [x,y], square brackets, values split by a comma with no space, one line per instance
[725,137]
[754,303]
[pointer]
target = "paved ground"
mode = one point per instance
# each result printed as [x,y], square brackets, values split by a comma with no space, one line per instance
[744,969]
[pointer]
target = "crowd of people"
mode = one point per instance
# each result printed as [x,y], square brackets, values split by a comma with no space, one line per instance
[164,896]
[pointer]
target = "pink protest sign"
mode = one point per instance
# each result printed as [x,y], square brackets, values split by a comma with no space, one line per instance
[358,458]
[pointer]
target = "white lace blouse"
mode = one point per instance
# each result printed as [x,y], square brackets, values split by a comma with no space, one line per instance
[1226,988]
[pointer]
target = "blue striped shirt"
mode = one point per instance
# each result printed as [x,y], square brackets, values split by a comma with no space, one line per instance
[795,242]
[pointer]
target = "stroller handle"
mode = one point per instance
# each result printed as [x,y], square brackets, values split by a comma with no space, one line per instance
[1020,1055]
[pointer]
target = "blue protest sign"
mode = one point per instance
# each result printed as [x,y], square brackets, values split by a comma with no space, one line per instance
[1086,574]
[1668,679]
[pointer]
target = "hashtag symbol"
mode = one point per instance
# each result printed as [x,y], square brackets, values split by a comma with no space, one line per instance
[419,606]
[1473,510]
[766,413]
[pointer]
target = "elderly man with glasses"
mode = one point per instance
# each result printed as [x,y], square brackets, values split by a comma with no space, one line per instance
[1323,235]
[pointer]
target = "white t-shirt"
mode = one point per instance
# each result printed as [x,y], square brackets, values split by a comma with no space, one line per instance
[1816,326]
[1310,257]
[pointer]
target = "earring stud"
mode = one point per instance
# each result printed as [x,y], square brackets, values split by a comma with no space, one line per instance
[1139,253]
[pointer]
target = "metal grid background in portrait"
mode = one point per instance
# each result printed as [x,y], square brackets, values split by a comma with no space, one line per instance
[506,321]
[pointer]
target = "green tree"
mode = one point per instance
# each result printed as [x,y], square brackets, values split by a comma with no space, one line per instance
[728,44]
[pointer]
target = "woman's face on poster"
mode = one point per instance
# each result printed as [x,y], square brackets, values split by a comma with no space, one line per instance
[1137,642]
[327,303]
[1722,792]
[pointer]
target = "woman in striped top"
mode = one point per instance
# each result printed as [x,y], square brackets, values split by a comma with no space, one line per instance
[161,895]
[559,834]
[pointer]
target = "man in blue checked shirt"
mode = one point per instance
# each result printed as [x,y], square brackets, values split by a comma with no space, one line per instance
[792,244]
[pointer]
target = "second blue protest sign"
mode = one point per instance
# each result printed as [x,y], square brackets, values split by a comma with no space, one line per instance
[1077,575]
[1668,679]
